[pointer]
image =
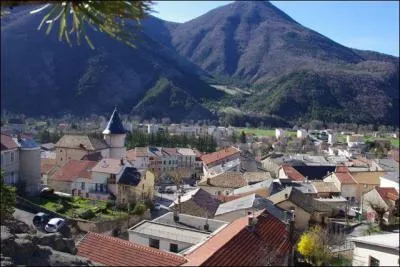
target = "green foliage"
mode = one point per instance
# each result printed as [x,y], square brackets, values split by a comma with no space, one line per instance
[163,139]
[139,209]
[86,214]
[7,199]
[45,136]
[372,229]
[242,137]
[106,16]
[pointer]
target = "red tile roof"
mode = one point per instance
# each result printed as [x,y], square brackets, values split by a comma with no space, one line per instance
[345,178]
[7,142]
[387,193]
[46,165]
[236,245]
[341,169]
[112,251]
[221,154]
[74,169]
[292,173]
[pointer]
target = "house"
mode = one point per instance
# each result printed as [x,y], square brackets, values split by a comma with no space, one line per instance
[279,134]
[134,186]
[260,188]
[74,147]
[105,175]
[65,177]
[255,240]
[355,140]
[223,183]
[306,209]
[221,158]
[366,181]
[112,251]
[390,179]
[138,157]
[301,133]
[170,159]
[186,158]
[174,232]
[237,208]
[387,165]
[344,181]
[20,161]
[197,202]
[383,197]
[376,250]
[9,159]
[47,168]
[77,146]
[302,173]
[325,189]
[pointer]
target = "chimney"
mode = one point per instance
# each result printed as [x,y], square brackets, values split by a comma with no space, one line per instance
[252,221]
[206,225]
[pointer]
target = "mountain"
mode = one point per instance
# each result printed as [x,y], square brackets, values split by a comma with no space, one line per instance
[260,62]
[41,76]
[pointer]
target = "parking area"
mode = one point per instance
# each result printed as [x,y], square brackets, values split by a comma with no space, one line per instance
[26,216]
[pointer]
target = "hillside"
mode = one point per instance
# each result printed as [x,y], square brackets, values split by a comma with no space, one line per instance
[286,71]
[42,76]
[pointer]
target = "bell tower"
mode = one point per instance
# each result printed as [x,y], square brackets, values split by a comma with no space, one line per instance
[114,135]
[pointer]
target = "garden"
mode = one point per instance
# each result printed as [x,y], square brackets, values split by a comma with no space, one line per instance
[88,209]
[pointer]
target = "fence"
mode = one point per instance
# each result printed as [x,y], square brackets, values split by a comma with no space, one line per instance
[85,225]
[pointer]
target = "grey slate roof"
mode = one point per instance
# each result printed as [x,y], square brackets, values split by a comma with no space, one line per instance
[388,165]
[202,199]
[252,201]
[130,176]
[392,176]
[114,125]
[314,172]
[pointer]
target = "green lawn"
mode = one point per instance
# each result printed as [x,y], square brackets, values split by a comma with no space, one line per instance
[264,132]
[73,207]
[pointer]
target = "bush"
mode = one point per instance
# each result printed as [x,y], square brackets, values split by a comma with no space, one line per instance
[110,204]
[87,214]
[149,203]
[139,209]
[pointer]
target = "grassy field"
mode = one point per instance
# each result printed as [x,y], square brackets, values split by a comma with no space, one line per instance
[264,132]
[75,206]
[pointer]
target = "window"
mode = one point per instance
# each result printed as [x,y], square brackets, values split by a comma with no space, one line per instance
[173,247]
[154,243]
[83,186]
[373,261]
[12,156]
[95,187]
[101,187]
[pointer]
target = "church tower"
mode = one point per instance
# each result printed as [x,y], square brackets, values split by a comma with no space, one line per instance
[114,135]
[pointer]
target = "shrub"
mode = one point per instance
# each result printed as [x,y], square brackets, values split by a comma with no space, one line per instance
[87,214]
[139,209]
[149,203]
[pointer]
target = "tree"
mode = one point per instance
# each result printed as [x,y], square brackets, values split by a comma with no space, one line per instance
[7,199]
[178,174]
[105,16]
[242,137]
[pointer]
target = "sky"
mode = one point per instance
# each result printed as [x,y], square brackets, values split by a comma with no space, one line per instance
[366,25]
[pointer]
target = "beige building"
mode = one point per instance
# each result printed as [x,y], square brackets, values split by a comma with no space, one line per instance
[135,186]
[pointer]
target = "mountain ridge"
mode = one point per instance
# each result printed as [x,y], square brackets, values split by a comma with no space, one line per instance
[245,44]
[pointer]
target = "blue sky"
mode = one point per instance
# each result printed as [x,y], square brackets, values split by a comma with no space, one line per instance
[368,25]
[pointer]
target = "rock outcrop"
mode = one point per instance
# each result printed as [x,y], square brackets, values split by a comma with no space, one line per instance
[20,245]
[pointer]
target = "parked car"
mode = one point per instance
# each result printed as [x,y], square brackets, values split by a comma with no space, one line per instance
[54,225]
[41,219]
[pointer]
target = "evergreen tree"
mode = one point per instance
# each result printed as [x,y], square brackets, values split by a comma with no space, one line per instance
[243,137]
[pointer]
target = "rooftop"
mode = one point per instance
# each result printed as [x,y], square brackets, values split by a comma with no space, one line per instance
[392,176]
[114,125]
[226,180]
[7,142]
[130,176]
[371,178]
[113,251]
[74,169]
[108,165]
[26,143]
[383,240]
[221,154]
[387,193]
[202,199]
[325,187]
[236,245]
[186,152]
[81,142]
[345,178]
[250,188]
[254,177]
[292,173]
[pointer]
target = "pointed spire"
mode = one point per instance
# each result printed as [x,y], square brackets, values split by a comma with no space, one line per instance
[114,125]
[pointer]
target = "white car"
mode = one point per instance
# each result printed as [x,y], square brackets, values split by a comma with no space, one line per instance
[54,225]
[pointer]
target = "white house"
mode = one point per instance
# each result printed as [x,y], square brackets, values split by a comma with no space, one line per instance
[332,139]
[175,232]
[390,179]
[279,133]
[376,250]
[301,133]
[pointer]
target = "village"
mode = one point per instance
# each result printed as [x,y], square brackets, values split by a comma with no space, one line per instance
[239,198]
